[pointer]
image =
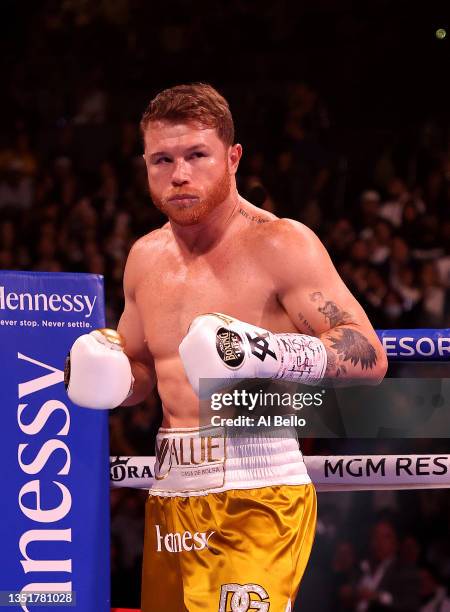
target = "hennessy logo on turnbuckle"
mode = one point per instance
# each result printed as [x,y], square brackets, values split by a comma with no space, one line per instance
[178,452]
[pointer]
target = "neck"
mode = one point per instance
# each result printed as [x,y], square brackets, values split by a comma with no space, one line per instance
[204,235]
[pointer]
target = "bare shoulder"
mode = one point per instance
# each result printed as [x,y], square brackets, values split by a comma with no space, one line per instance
[284,235]
[150,244]
[290,252]
[143,255]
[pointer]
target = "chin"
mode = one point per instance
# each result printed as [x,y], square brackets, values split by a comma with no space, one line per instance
[185,220]
[189,216]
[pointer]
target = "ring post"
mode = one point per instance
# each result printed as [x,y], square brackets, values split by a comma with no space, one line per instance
[54,531]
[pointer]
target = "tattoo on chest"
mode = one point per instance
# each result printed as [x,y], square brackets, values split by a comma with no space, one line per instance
[349,345]
[331,311]
[254,218]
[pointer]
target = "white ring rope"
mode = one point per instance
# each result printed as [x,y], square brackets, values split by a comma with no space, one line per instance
[332,473]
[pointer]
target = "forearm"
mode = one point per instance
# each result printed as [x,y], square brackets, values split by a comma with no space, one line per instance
[354,356]
[144,381]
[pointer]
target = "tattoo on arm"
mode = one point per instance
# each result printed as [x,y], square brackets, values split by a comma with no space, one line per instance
[349,345]
[333,369]
[255,218]
[331,311]
[306,323]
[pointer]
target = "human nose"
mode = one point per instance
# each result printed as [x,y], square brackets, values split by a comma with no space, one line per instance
[180,175]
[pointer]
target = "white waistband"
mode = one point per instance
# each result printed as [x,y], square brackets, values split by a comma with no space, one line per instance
[194,461]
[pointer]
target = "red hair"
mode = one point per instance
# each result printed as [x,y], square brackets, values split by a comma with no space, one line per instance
[196,102]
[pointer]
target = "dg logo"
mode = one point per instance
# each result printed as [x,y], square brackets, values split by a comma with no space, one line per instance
[237,598]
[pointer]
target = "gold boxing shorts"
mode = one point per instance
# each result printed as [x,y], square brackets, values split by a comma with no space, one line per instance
[229,523]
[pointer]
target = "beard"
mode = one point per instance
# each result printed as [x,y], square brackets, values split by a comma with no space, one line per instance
[200,209]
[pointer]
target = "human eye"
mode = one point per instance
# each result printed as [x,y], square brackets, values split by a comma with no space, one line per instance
[197,154]
[162,160]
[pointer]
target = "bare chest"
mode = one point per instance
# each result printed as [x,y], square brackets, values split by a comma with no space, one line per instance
[173,293]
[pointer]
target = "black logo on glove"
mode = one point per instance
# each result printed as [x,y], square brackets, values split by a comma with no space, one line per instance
[260,346]
[229,346]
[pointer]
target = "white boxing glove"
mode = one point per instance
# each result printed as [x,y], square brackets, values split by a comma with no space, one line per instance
[223,348]
[97,372]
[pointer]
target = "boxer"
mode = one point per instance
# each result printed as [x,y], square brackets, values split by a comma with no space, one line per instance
[223,290]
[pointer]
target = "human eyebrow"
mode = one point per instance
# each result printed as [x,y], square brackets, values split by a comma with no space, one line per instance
[196,147]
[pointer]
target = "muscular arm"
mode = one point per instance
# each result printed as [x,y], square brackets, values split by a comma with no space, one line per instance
[319,304]
[131,329]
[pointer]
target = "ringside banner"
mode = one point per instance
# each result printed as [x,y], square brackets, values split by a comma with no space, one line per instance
[54,455]
[415,344]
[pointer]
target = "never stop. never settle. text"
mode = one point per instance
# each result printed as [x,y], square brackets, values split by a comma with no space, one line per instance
[43,323]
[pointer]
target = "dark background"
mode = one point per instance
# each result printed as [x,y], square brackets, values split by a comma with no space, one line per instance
[342,109]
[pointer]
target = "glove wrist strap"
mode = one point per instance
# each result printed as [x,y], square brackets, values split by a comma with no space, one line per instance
[303,358]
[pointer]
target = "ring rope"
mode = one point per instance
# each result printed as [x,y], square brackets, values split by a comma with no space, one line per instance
[328,473]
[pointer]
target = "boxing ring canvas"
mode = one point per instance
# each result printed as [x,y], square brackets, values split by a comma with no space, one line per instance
[54,530]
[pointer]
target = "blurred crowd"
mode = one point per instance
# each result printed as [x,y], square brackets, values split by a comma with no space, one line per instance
[80,202]
[379,552]
[74,197]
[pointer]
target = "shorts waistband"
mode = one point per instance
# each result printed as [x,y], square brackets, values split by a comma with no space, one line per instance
[197,461]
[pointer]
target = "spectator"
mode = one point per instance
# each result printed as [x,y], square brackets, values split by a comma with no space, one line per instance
[16,187]
[433,595]
[399,196]
[386,584]
[345,576]
[369,212]
[381,242]
[435,298]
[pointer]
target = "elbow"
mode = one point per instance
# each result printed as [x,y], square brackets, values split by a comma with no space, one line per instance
[380,369]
